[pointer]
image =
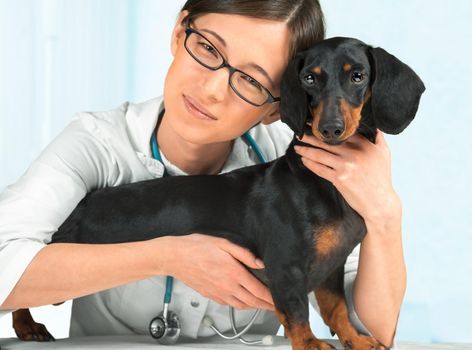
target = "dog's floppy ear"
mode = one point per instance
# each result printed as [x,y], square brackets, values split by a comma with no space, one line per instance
[293,99]
[396,92]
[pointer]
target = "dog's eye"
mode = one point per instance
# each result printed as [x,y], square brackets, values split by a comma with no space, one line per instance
[357,77]
[309,79]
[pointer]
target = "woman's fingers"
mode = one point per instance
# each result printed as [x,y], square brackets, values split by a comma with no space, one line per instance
[312,140]
[319,169]
[242,254]
[319,156]
[214,267]
[259,292]
[252,291]
[244,299]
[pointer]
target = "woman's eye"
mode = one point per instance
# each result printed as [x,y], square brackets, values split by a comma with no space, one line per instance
[357,77]
[309,79]
[252,81]
[209,48]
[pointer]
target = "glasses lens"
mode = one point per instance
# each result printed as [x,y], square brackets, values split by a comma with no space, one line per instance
[249,88]
[206,54]
[203,51]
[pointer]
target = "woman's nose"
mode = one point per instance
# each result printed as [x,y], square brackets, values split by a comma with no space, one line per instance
[216,84]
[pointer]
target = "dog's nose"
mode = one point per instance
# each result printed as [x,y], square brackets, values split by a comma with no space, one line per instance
[332,130]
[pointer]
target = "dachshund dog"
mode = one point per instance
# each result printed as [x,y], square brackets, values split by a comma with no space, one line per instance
[295,221]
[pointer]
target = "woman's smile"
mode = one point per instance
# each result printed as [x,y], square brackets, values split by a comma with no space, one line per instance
[196,109]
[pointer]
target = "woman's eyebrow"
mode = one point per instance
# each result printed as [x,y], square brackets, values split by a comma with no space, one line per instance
[262,71]
[252,64]
[216,35]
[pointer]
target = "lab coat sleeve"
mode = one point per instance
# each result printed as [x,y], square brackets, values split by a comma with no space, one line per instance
[32,209]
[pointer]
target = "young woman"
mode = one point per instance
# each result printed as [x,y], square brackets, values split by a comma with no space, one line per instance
[118,288]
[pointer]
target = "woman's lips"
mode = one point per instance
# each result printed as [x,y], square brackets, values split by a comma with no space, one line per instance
[196,110]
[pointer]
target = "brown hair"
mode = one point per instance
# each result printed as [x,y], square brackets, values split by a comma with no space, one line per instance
[304,18]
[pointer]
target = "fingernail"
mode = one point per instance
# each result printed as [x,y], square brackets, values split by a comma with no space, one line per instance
[260,263]
[297,148]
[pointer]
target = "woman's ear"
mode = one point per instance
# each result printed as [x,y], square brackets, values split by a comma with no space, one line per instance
[178,34]
[272,116]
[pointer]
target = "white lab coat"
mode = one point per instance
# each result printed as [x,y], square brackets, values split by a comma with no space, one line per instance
[108,149]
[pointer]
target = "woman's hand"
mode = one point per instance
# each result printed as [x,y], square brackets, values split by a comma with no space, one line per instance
[213,267]
[360,170]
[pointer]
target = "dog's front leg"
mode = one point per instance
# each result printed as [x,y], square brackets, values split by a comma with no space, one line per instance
[27,329]
[288,288]
[333,308]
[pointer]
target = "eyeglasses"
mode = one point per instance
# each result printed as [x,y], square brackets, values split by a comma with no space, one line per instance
[245,86]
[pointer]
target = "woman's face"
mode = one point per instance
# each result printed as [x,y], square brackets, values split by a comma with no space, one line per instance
[248,43]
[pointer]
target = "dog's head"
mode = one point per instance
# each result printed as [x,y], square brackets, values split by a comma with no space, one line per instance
[342,85]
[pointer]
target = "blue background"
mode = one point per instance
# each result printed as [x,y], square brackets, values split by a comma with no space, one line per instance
[63,56]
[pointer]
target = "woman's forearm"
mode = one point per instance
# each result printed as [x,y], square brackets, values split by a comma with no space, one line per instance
[65,271]
[380,284]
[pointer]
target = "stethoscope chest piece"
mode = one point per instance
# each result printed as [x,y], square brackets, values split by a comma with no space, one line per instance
[165,329]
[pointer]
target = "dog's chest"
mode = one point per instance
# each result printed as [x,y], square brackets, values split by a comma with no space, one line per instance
[331,244]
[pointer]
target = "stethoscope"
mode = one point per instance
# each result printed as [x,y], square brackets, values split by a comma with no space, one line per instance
[166,326]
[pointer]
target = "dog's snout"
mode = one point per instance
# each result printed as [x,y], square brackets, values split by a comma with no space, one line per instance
[333,130]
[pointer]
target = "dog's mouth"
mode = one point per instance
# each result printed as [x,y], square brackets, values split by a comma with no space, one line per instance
[334,142]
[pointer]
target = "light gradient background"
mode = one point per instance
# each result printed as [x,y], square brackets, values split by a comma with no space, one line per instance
[63,56]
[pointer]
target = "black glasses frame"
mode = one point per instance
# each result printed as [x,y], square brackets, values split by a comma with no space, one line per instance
[232,70]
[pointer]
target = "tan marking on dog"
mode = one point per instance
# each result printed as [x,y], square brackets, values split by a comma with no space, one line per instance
[334,311]
[302,338]
[300,334]
[352,116]
[282,318]
[326,239]
[316,114]
[317,70]
[347,67]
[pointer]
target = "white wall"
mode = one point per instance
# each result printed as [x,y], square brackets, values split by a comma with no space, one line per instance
[63,56]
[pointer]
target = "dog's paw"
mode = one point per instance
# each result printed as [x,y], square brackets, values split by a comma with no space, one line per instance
[316,344]
[363,342]
[32,331]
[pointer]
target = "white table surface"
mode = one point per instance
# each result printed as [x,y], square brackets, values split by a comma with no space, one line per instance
[145,342]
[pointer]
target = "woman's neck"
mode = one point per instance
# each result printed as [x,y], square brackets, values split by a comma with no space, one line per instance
[191,158]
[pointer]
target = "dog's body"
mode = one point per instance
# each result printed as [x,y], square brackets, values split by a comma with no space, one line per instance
[254,207]
[297,222]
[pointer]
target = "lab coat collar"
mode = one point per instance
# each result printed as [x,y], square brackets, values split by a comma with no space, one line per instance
[142,118]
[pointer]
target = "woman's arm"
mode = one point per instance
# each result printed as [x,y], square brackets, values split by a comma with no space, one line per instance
[64,271]
[360,170]
[380,284]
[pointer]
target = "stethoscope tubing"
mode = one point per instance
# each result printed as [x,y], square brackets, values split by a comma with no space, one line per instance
[170,280]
